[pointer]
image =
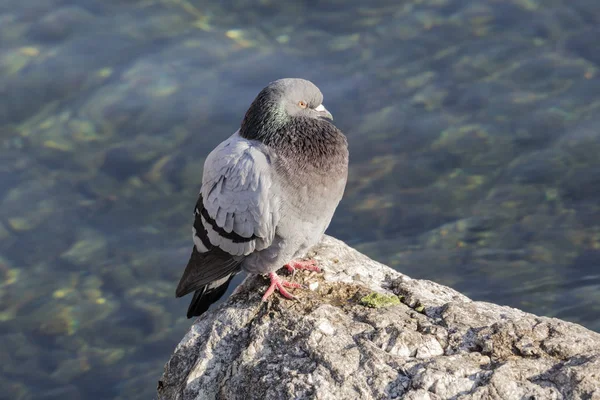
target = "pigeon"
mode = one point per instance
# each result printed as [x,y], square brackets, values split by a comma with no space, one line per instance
[268,194]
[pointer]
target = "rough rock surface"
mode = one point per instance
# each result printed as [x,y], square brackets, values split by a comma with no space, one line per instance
[436,344]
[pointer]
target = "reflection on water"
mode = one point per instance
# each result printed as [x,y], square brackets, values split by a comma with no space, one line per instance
[474,159]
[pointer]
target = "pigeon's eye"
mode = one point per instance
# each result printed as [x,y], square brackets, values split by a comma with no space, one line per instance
[302,104]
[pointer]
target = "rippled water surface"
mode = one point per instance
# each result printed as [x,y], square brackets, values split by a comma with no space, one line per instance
[475,142]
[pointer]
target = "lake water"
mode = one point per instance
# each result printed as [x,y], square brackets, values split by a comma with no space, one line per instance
[474,130]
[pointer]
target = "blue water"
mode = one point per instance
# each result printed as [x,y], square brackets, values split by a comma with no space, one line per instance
[473,130]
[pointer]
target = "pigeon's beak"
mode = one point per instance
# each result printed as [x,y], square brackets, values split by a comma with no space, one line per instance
[323,112]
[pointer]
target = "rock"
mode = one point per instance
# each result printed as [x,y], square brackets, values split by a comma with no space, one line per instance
[436,344]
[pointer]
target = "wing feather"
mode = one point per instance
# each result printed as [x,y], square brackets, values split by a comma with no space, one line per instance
[238,197]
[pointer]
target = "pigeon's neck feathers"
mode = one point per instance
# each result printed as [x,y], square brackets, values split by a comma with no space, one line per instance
[265,117]
[304,140]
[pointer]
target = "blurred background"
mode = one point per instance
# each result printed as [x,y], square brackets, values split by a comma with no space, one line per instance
[474,130]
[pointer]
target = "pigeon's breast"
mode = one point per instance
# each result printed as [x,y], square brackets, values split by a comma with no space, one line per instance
[309,186]
[309,205]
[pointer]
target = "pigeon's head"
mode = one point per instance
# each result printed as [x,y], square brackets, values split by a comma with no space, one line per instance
[298,98]
[282,103]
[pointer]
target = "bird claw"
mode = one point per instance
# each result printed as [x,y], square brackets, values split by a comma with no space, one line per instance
[280,285]
[309,265]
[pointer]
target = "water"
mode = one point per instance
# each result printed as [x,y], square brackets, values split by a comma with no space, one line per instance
[474,160]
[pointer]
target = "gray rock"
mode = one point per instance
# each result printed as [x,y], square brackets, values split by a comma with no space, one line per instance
[436,344]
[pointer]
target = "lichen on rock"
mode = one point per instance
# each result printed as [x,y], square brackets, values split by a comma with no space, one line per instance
[378,300]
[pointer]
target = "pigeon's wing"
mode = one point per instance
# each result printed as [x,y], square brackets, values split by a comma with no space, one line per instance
[240,204]
[235,215]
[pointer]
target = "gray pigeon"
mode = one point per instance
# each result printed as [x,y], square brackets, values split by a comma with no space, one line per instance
[268,193]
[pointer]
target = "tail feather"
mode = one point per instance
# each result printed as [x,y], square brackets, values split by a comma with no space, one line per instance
[207,295]
[207,275]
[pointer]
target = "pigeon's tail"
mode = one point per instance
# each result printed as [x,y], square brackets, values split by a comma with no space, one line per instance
[207,295]
[207,275]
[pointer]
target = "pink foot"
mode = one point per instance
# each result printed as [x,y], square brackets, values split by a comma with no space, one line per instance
[279,284]
[310,265]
